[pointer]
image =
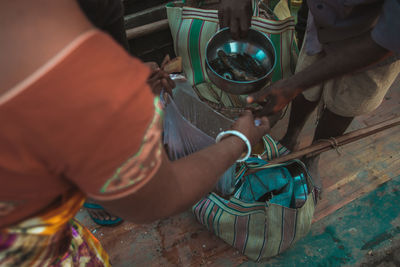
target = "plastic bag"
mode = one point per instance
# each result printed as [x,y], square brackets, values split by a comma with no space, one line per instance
[182,137]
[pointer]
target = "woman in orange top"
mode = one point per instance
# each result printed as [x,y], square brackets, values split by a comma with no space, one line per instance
[109,17]
[79,120]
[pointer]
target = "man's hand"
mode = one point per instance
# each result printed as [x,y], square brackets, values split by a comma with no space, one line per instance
[246,125]
[340,58]
[273,98]
[235,14]
[159,79]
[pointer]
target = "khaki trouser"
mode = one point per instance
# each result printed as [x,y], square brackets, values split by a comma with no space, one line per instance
[354,94]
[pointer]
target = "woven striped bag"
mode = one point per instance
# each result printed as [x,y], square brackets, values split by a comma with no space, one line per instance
[192,28]
[259,230]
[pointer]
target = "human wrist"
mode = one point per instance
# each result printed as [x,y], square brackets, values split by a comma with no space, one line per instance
[237,140]
[293,83]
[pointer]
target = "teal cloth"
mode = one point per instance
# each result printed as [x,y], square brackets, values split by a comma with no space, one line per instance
[277,184]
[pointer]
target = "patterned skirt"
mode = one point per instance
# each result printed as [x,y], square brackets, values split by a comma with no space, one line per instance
[52,239]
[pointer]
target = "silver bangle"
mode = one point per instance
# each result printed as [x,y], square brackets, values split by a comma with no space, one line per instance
[241,136]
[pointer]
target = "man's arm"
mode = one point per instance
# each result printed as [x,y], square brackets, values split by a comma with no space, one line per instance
[344,58]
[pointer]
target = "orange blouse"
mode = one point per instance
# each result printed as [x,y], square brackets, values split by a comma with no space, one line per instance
[86,120]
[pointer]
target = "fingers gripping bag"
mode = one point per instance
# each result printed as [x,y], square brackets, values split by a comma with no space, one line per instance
[190,125]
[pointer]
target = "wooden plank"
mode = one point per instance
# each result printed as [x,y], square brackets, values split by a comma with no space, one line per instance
[147,29]
[146,16]
[181,241]
[361,169]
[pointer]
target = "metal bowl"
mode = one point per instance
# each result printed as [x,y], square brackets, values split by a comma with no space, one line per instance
[256,44]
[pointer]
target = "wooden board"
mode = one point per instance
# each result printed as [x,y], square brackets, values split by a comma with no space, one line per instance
[181,241]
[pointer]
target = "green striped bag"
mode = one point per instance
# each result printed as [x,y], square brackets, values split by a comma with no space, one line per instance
[259,230]
[192,28]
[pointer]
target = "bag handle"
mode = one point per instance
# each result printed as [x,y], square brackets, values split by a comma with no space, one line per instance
[255,6]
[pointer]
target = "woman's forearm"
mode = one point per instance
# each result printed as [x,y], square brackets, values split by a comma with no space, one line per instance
[203,169]
[179,184]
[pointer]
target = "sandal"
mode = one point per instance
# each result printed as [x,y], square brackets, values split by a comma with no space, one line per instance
[97,208]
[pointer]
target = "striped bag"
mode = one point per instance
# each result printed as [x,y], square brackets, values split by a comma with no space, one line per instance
[259,229]
[192,28]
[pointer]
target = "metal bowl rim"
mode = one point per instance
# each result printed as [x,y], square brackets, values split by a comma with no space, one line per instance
[241,82]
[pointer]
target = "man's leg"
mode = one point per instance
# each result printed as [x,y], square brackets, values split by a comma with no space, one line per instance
[330,125]
[300,112]
[304,104]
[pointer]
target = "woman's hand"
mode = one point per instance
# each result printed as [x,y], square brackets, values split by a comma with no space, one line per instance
[159,79]
[246,125]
